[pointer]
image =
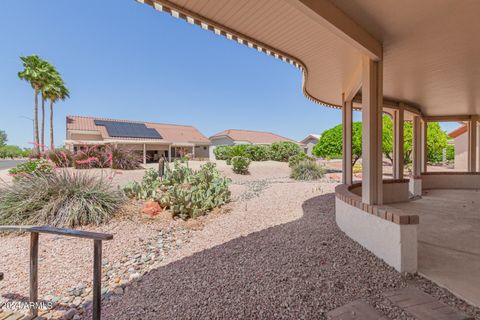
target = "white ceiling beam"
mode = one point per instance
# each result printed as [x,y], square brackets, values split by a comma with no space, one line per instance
[354,84]
[328,15]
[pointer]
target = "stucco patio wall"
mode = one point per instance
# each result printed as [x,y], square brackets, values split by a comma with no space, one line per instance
[393,190]
[450,180]
[390,235]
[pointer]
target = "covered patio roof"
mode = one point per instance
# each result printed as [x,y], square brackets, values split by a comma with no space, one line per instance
[429,56]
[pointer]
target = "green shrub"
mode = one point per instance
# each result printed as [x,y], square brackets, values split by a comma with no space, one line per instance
[307,170]
[62,158]
[31,167]
[240,164]
[186,192]
[61,199]
[257,152]
[10,152]
[238,150]
[147,189]
[450,152]
[282,151]
[294,160]
[222,152]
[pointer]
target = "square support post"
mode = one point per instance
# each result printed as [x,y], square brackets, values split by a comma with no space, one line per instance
[347,176]
[144,153]
[169,153]
[415,184]
[417,147]
[398,148]
[33,274]
[97,280]
[472,145]
[372,100]
[424,144]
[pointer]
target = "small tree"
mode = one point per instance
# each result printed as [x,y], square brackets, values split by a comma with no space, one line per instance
[330,143]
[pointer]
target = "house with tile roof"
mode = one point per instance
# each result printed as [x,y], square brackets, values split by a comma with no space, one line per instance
[460,141]
[309,142]
[232,137]
[152,140]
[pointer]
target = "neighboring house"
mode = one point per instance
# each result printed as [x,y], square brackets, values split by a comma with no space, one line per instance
[309,142]
[460,140]
[233,136]
[152,140]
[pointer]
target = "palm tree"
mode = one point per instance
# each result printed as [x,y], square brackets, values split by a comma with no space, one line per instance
[34,69]
[48,75]
[55,91]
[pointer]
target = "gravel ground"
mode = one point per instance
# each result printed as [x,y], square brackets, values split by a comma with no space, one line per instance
[274,252]
[296,270]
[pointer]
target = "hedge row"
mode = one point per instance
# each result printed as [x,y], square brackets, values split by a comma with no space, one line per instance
[278,151]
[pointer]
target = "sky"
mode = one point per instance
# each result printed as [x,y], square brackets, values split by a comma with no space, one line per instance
[124,60]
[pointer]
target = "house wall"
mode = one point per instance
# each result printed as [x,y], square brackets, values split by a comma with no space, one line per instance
[202,152]
[461,151]
[86,136]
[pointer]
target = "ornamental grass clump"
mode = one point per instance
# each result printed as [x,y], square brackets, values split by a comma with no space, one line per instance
[294,160]
[60,199]
[307,170]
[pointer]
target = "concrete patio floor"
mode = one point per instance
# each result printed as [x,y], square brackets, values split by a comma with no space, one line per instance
[449,239]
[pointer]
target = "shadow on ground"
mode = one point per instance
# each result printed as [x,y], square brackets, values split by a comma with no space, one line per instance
[298,270]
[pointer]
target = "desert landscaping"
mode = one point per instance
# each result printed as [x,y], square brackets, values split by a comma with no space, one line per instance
[274,228]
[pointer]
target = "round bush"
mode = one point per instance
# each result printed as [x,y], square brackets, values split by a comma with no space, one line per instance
[240,164]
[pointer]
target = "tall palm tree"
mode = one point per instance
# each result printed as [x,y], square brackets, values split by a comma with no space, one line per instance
[33,71]
[55,91]
[48,75]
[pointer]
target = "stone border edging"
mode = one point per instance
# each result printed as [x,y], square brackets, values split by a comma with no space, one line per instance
[343,193]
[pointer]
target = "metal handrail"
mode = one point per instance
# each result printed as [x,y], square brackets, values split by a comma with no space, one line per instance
[97,260]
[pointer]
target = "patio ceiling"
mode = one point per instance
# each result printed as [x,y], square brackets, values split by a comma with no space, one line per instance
[430,55]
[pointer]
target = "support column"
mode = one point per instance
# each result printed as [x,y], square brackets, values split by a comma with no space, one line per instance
[372,100]
[347,176]
[193,152]
[416,179]
[424,129]
[169,153]
[144,153]
[398,151]
[472,145]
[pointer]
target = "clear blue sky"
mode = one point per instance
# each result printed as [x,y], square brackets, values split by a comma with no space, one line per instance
[124,60]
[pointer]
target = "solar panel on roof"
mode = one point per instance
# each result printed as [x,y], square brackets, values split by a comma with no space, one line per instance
[128,129]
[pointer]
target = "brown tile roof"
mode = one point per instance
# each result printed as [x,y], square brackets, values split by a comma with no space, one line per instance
[169,132]
[251,136]
[458,132]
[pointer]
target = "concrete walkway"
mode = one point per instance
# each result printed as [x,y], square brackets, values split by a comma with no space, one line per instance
[449,239]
